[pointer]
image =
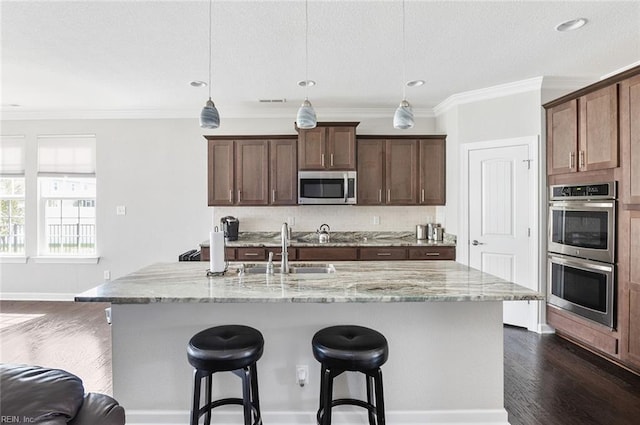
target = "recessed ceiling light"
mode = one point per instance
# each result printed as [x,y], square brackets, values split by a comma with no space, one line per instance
[306,83]
[198,83]
[571,25]
[415,83]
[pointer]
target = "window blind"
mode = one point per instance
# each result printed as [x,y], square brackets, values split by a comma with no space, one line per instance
[66,155]
[12,155]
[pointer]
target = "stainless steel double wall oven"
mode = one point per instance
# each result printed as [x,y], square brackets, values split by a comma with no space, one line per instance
[581,249]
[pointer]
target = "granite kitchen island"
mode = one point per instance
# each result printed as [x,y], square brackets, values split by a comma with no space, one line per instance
[442,319]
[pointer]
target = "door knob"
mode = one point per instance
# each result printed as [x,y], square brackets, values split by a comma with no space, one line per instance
[475,243]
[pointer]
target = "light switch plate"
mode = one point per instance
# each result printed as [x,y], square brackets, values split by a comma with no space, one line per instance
[121,210]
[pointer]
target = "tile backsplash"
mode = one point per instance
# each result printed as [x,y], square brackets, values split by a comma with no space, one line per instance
[340,218]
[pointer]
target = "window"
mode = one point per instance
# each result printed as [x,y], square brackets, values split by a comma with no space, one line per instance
[67,195]
[12,192]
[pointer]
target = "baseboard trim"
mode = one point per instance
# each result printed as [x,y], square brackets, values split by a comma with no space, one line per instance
[431,417]
[36,296]
[543,328]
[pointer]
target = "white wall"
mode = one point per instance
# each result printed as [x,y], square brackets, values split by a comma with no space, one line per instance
[157,169]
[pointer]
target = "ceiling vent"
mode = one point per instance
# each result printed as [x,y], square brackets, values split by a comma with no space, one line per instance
[272,100]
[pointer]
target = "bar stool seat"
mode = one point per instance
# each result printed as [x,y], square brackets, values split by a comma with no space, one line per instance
[356,349]
[228,348]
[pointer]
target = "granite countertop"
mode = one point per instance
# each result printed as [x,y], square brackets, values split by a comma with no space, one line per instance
[337,239]
[353,281]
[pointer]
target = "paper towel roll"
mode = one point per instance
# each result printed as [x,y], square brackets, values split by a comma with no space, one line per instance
[216,252]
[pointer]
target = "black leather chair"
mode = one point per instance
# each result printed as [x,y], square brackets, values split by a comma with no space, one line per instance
[229,348]
[34,394]
[351,348]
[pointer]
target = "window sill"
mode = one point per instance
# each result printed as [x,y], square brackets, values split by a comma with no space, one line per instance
[9,259]
[65,260]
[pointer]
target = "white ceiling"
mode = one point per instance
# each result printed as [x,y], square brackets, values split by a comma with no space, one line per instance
[138,57]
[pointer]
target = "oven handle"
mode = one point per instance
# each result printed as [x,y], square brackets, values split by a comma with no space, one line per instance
[587,265]
[581,206]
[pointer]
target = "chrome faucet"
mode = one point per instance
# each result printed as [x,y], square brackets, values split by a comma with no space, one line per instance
[284,235]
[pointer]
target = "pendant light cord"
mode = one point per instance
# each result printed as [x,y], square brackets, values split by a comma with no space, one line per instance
[404,57]
[210,19]
[306,49]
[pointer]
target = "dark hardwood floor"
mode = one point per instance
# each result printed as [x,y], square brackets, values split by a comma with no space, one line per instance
[548,381]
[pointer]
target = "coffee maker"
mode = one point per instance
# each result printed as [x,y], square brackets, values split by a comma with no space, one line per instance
[230,226]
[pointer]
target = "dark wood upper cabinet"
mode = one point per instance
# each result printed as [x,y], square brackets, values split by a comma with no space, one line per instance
[371,163]
[401,170]
[598,137]
[329,146]
[252,170]
[630,139]
[562,138]
[582,133]
[283,171]
[221,172]
[432,165]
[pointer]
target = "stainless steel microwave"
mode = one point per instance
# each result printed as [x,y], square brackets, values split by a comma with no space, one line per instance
[327,187]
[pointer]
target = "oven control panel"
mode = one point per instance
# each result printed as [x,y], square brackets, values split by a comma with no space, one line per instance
[584,191]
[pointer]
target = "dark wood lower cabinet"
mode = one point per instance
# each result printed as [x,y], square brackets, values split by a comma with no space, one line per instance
[384,253]
[432,253]
[328,254]
[390,253]
[588,334]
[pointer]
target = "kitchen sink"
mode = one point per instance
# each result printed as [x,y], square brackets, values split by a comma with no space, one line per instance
[256,268]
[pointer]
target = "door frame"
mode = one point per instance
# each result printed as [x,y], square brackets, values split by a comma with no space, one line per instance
[533,143]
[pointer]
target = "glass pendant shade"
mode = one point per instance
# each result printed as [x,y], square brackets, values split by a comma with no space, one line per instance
[209,117]
[306,116]
[403,118]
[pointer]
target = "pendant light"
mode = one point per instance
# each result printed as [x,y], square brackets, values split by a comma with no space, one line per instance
[209,117]
[403,118]
[306,117]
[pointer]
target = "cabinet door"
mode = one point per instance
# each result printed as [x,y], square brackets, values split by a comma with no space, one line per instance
[341,148]
[633,340]
[328,254]
[251,254]
[401,174]
[432,253]
[311,149]
[383,253]
[370,172]
[220,172]
[599,130]
[252,172]
[562,138]
[630,139]
[432,172]
[283,170]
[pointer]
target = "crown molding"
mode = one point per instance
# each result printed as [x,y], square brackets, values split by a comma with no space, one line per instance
[488,93]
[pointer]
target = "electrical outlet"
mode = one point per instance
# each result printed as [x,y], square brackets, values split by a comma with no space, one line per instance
[376,219]
[291,221]
[107,275]
[302,375]
[121,210]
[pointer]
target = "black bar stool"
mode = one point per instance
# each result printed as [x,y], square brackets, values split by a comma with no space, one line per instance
[351,348]
[229,348]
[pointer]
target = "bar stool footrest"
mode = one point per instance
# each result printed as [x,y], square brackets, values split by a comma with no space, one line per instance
[346,401]
[227,401]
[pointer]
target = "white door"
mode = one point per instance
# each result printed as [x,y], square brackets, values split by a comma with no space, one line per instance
[499,221]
